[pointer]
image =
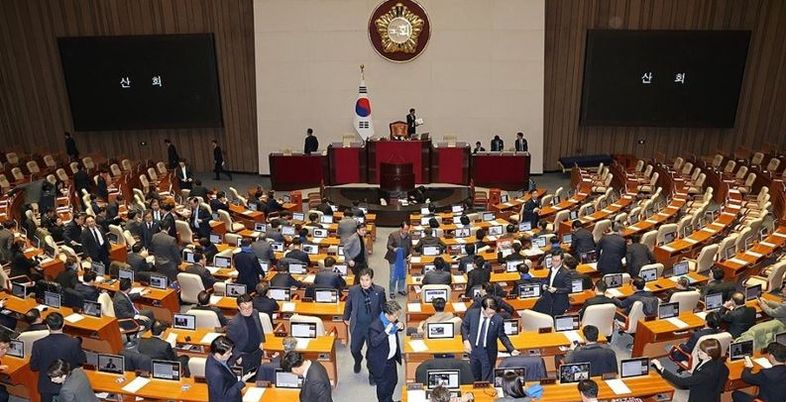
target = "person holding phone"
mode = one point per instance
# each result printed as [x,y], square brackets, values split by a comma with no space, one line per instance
[771,381]
[384,350]
[224,385]
[709,375]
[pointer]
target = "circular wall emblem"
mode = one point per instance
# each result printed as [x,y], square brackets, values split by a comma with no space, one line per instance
[399,30]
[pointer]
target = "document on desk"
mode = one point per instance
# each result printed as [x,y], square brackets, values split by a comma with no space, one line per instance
[137,290]
[72,318]
[302,343]
[618,386]
[172,339]
[413,307]
[414,260]
[738,261]
[215,299]
[689,240]
[135,385]
[460,241]
[288,307]
[614,292]
[763,362]
[212,270]
[667,248]
[458,279]
[459,307]
[767,244]
[253,394]
[418,345]
[573,336]
[702,315]
[209,337]
[677,322]
[417,395]
[754,254]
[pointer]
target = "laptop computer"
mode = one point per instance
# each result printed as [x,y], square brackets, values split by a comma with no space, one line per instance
[235,289]
[92,309]
[568,322]
[752,292]
[430,294]
[634,367]
[326,296]
[16,349]
[448,378]
[612,280]
[166,370]
[52,299]
[574,372]
[440,330]
[279,294]
[713,301]
[649,274]
[739,350]
[158,281]
[576,285]
[184,321]
[668,310]
[527,290]
[499,374]
[288,380]
[303,329]
[108,363]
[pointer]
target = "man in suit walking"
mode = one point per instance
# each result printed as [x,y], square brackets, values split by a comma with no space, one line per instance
[218,161]
[316,383]
[737,315]
[411,123]
[363,305]
[249,272]
[638,255]
[245,330]
[611,250]
[480,331]
[554,301]
[399,247]
[171,154]
[521,143]
[95,242]
[200,219]
[184,175]
[582,240]
[48,349]
[71,150]
[384,350]
[530,209]
[355,251]
[167,253]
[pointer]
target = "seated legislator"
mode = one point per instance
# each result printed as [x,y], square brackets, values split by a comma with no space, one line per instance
[649,300]
[440,275]
[137,259]
[582,239]
[468,259]
[198,268]
[428,240]
[738,317]
[203,303]
[267,371]
[601,357]
[716,284]
[316,383]
[771,381]
[262,303]
[638,255]
[440,315]
[87,287]
[773,309]
[326,278]
[224,385]
[123,303]
[159,349]
[296,253]
[34,320]
[283,279]
[599,298]
[682,351]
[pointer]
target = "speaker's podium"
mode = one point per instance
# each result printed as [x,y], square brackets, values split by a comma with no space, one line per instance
[396,178]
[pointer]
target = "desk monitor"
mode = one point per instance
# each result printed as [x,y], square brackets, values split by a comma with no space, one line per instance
[488,216]
[439,330]
[680,268]
[326,296]
[574,214]
[525,226]
[260,227]
[19,290]
[112,237]
[504,198]
[513,266]
[431,250]
[687,230]
[729,253]
[279,294]
[649,274]
[425,211]
[589,257]
[126,274]
[166,370]
[221,261]
[92,309]
[303,329]
[633,219]
[235,289]
[51,252]
[252,206]
[781,338]
[499,374]
[424,221]
[158,281]
[576,285]
[429,268]
[738,350]
[668,310]
[320,233]
[568,322]
[184,321]
[298,216]
[749,242]
[311,249]
[288,380]
[463,232]
[574,372]
[752,292]
[447,378]
[496,230]
[511,327]
[340,269]
[567,238]
[547,261]
[215,239]
[114,364]
[188,256]
[278,247]
[612,280]
[52,299]
[713,301]
[457,220]
[16,349]
[634,367]
[555,200]
[326,219]
[668,237]
[527,290]
[457,209]
[297,269]
[288,230]
[430,294]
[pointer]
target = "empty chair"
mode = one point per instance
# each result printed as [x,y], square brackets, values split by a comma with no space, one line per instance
[705,260]
[29,338]
[639,166]
[74,166]
[758,157]
[604,185]
[748,184]
[743,238]
[632,320]
[664,231]
[117,231]
[237,197]
[184,233]
[773,165]
[729,168]
[601,227]
[678,162]
[729,242]
[145,183]
[649,238]
[126,164]
[583,209]
[687,168]
[688,300]
[190,286]
[741,172]
[650,186]
[32,168]
[648,172]
[205,318]
[716,161]
[310,319]
[62,175]
[88,162]
[267,324]
[560,217]
[773,280]
[151,172]
[698,186]
[230,226]
[12,158]
[50,162]
[114,169]
[196,365]
[559,193]
[17,174]
[601,316]
[683,223]
[533,321]
[161,168]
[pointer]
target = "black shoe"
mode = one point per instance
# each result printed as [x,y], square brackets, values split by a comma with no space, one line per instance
[403,293]
[356,369]
[392,296]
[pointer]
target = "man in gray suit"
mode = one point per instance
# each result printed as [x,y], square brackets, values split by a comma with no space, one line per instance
[263,249]
[316,383]
[123,303]
[346,226]
[164,248]
[355,251]
[75,384]
[399,239]
[773,309]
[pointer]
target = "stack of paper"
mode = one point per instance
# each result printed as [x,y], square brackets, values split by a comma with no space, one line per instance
[213,270]
[573,336]
[135,385]
[288,307]
[614,292]
[309,278]
[618,386]
[677,322]
[702,315]
[413,307]
[72,318]
[253,394]
[172,339]
[302,343]
[763,362]
[459,307]
[414,260]
[209,337]
[417,395]
[418,345]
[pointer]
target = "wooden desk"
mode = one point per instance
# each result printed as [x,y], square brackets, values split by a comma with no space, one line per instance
[22,380]
[661,217]
[649,333]
[749,259]
[163,302]
[589,221]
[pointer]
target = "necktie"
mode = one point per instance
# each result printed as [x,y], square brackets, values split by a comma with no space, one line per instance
[136,310]
[482,332]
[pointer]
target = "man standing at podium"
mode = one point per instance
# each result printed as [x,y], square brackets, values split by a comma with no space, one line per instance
[521,143]
[312,143]
[411,123]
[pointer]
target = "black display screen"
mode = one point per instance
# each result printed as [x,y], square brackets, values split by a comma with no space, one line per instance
[663,78]
[141,82]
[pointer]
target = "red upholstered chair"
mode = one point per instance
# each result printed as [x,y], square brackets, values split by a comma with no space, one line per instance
[495,195]
[296,197]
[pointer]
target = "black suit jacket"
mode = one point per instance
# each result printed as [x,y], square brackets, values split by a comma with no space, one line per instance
[238,333]
[649,300]
[328,279]
[638,256]
[88,292]
[91,245]
[496,331]
[497,145]
[266,305]
[168,221]
[203,217]
[199,191]
[771,382]
[218,156]
[521,145]
[602,358]
[529,214]
[138,263]
[476,277]
[285,280]
[558,302]
[582,242]
[611,250]
[81,181]
[223,385]
[411,127]
[248,269]
[71,147]
[311,145]
[378,348]
[157,348]
[597,299]
[147,234]
[102,190]
[316,386]
[437,277]
[50,348]
[172,157]
[72,233]
[207,278]
[705,384]
[739,320]
[356,301]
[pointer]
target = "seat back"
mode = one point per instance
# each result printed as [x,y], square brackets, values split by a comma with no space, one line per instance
[49,161]
[161,167]
[706,258]
[745,234]
[663,230]
[267,325]
[205,318]
[190,286]
[774,164]
[29,338]
[312,319]
[636,314]
[17,173]
[648,239]
[685,220]
[115,170]
[724,338]
[32,167]
[678,161]
[687,168]
[700,180]
[424,288]
[88,162]
[775,278]
[750,180]
[129,238]
[61,175]
[184,233]
[717,160]
[730,165]
[560,217]
[532,321]
[758,157]
[126,164]
[107,308]
[151,172]
[601,227]
[224,216]
[687,300]
[196,366]
[118,232]
[601,316]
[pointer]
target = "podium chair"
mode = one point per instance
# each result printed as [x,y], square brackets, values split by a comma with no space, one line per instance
[495,195]
[398,130]
[296,197]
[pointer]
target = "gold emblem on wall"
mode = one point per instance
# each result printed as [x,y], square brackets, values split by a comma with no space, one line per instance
[399,30]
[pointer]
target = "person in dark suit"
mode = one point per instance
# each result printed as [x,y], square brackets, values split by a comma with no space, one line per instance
[74,384]
[363,305]
[311,142]
[283,279]
[521,143]
[208,249]
[263,249]
[123,303]
[707,381]
[611,250]
[296,252]
[34,321]
[5,345]
[6,239]
[496,292]
[738,317]
[165,250]
[262,302]
[638,255]
[218,161]
[711,327]
[316,383]
[203,303]
[220,203]
[384,350]
[95,242]
[440,275]
[478,276]
[81,181]
[136,260]
[497,145]
[72,234]
[158,348]
[21,265]
[582,240]
[324,207]
[399,241]
[245,330]
[223,385]
[199,190]
[429,240]
[71,150]
[102,185]
[647,298]
[599,298]
[771,381]
[48,349]
[168,219]
[478,148]
[185,178]
[718,285]
[480,331]
[249,272]
[601,357]
[530,209]
[198,268]
[411,123]
[149,228]
[199,220]
[87,287]
[327,279]
[468,259]
[171,154]
[554,299]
